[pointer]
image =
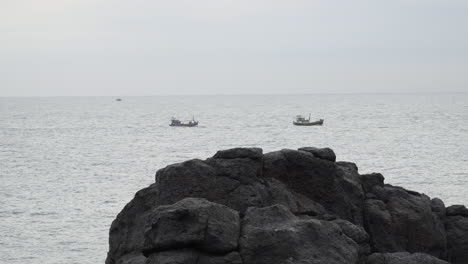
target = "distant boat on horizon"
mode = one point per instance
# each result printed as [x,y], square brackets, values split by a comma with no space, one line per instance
[177,122]
[118,99]
[301,121]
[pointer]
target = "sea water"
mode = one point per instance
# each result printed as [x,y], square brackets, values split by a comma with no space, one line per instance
[69,165]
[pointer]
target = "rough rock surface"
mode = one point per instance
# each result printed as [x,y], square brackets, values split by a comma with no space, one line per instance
[273,235]
[403,258]
[191,256]
[398,220]
[192,222]
[333,186]
[457,239]
[321,153]
[455,210]
[289,206]
[357,234]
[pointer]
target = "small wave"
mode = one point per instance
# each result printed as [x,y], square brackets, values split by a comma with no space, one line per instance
[7,213]
[42,213]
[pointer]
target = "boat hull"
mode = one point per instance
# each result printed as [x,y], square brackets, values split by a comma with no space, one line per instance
[184,125]
[316,123]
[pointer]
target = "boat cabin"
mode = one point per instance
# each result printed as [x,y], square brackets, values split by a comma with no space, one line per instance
[300,118]
[175,122]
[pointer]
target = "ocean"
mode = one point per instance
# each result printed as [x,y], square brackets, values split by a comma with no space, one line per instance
[68,165]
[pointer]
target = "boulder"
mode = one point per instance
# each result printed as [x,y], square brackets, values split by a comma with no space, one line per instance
[321,153]
[398,220]
[357,234]
[403,258]
[274,235]
[191,256]
[240,153]
[220,180]
[333,186]
[371,181]
[298,204]
[438,207]
[457,239]
[193,178]
[195,223]
[455,210]
[346,165]
[126,234]
[132,258]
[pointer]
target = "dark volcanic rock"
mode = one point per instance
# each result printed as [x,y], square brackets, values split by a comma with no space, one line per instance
[348,166]
[193,222]
[274,235]
[457,239]
[321,153]
[455,210]
[201,178]
[223,181]
[288,206]
[190,256]
[132,258]
[438,207]
[370,181]
[356,233]
[239,153]
[297,203]
[401,221]
[403,258]
[323,181]
[127,230]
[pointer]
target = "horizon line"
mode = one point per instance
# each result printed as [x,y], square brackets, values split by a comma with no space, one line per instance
[240,94]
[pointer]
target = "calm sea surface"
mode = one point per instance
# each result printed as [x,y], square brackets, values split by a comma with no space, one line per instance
[69,165]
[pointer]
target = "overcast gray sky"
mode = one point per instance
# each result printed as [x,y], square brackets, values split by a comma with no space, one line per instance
[151,47]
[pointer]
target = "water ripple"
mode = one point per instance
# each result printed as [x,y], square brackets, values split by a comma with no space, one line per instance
[69,165]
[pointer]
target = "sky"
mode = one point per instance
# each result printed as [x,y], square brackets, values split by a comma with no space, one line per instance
[176,47]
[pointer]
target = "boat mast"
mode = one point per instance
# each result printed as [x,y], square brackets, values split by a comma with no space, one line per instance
[309,116]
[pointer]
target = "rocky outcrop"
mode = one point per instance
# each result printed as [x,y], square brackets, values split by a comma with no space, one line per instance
[456,225]
[289,206]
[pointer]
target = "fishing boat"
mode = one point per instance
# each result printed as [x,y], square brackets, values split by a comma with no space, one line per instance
[118,99]
[176,122]
[302,121]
